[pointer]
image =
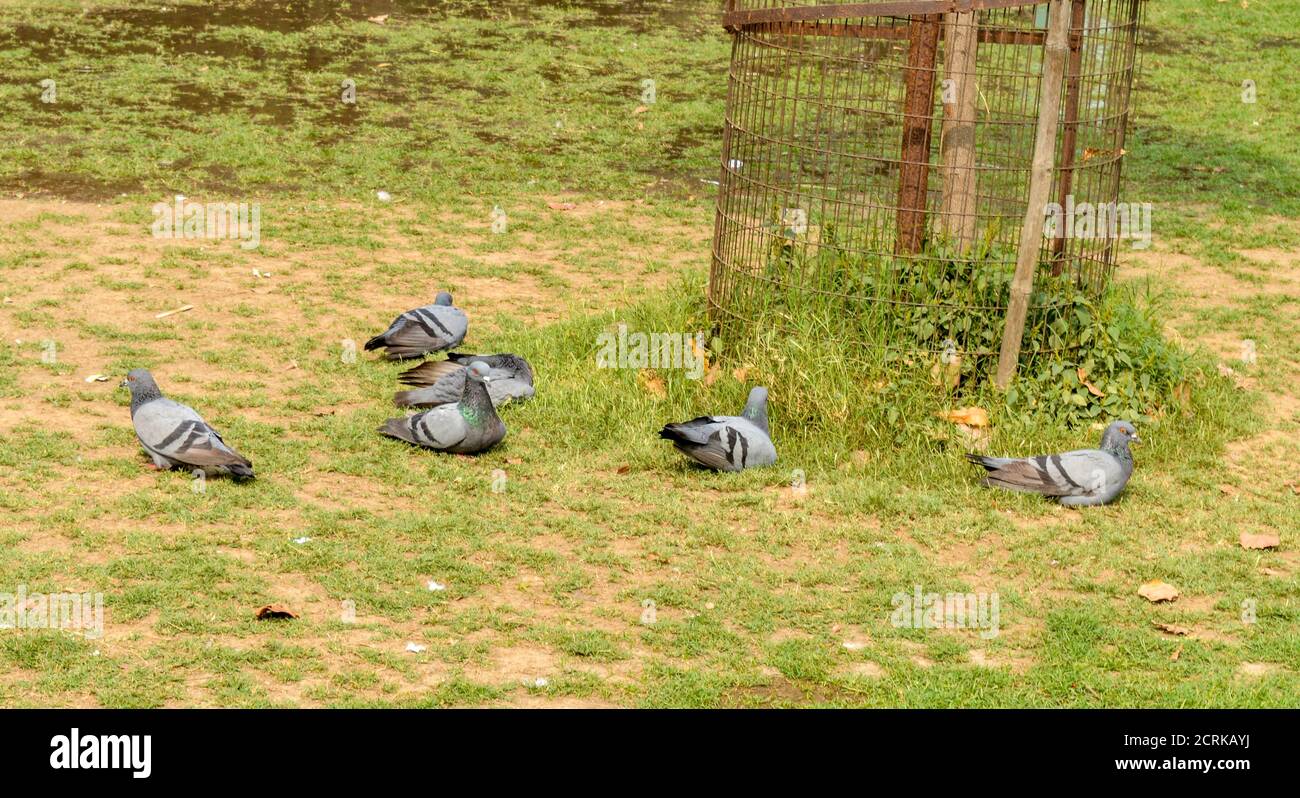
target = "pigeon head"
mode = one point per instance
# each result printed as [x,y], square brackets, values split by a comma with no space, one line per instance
[756,407]
[143,388]
[478,370]
[444,298]
[1119,435]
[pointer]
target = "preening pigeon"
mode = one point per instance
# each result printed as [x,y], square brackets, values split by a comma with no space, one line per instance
[423,331]
[467,426]
[509,378]
[177,437]
[1079,478]
[727,443]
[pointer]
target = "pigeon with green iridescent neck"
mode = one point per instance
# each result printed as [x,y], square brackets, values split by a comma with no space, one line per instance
[1079,478]
[727,443]
[468,426]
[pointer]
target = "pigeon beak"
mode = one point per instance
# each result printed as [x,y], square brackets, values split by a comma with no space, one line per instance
[1136,438]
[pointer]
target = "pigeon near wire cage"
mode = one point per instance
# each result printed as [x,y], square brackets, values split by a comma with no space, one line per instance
[936,176]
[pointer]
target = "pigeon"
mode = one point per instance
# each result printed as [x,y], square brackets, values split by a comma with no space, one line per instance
[727,443]
[177,437]
[467,426]
[423,331]
[509,378]
[1080,478]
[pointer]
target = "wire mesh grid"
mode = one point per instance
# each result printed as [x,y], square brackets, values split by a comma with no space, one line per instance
[877,167]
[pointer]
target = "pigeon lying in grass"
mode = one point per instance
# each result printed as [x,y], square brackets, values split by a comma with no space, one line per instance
[423,331]
[177,437]
[468,426]
[509,378]
[1080,478]
[727,443]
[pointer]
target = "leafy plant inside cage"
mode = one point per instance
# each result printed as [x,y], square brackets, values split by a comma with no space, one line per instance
[936,319]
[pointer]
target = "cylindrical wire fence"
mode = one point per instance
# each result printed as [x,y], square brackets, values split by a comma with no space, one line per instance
[878,160]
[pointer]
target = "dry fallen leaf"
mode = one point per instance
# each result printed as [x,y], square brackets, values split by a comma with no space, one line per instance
[561,206]
[1174,656]
[379,20]
[1092,389]
[1093,152]
[1173,629]
[623,469]
[712,375]
[640,109]
[652,383]
[970,416]
[700,353]
[274,612]
[514,461]
[1264,541]
[740,374]
[1155,591]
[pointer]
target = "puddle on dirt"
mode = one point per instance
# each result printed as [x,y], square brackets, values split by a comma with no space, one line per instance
[78,187]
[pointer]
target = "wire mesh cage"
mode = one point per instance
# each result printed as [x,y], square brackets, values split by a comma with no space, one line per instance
[881,159]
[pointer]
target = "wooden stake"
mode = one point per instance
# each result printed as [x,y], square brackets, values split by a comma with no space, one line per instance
[1069,134]
[918,118]
[1040,185]
[960,98]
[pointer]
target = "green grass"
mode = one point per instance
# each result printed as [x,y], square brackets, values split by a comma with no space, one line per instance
[755,586]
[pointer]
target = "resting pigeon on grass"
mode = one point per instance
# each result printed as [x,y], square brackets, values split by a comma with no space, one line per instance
[1080,478]
[468,426]
[727,443]
[509,378]
[423,331]
[177,437]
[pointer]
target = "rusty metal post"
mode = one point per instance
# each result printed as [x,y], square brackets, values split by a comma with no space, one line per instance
[918,118]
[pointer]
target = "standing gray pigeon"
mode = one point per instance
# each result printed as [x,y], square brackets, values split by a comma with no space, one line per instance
[467,426]
[509,378]
[423,331]
[175,436]
[727,443]
[1079,478]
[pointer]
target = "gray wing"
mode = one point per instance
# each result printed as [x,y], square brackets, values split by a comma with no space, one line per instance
[431,328]
[506,390]
[176,433]
[443,427]
[1084,472]
[501,366]
[444,384]
[723,443]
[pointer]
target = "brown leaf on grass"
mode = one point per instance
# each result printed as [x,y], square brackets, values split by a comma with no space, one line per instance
[1092,389]
[652,383]
[275,612]
[561,206]
[1156,591]
[1172,628]
[514,461]
[711,376]
[1264,541]
[382,19]
[740,374]
[640,109]
[700,353]
[970,416]
[1177,653]
[623,469]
